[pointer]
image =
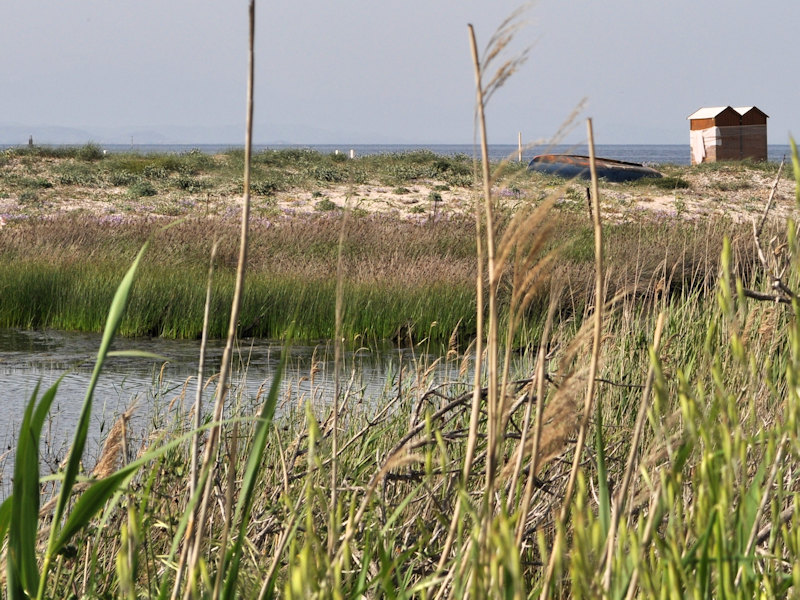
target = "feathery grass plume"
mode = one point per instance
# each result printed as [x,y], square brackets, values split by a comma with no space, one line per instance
[112,455]
[498,42]
[559,420]
[795,169]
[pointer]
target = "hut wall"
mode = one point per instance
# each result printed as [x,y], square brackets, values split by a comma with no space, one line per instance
[715,143]
[700,124]
[729,143]
[754,142]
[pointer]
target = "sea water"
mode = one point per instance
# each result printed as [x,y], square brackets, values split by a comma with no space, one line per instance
[651,154]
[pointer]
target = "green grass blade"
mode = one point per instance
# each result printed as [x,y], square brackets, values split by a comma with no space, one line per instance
[138,354]
[5,518]
[90,503]
[163,590]
[112,324]
[79,442]
[23,510]
[19,551]
[93,499]
[400,508]
[603,493]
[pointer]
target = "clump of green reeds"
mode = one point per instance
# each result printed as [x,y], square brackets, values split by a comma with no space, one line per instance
[60,273]
[391,287]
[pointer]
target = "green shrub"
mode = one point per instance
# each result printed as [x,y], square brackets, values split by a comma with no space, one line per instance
[72,173]
[266,187]
[29,197]
[731,186]
[190,184]
[328,174]
[326,205]
[155,172]
[460,180]
[36,183]
[90,152]
[122,177]
[195,161]
[141,188]
[668,182]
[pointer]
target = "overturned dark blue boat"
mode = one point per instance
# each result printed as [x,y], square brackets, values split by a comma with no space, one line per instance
[570,166]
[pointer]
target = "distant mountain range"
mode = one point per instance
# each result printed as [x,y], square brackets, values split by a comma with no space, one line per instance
[14,134]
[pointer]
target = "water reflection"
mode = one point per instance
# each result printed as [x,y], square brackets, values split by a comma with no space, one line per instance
[28,357]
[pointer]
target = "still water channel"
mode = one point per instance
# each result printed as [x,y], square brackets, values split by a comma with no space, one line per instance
[28,357]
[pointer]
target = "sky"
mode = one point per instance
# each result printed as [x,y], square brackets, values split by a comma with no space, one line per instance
[388,71]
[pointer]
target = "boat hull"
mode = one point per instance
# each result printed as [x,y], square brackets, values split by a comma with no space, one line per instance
[571,166]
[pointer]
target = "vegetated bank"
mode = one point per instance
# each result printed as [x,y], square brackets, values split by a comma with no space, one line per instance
[75,218]
[399,278]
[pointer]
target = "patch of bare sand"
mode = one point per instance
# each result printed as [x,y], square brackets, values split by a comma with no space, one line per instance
[736,192]
[405,202]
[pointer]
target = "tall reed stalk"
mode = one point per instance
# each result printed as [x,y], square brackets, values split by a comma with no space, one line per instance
[599,301]
[195,532]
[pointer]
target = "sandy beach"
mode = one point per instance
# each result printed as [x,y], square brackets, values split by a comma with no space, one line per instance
[42,187]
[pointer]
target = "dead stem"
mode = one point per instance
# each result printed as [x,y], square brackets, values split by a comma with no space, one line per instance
[595,357]
[225,367]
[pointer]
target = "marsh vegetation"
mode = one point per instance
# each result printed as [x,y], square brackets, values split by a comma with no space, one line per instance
[624,422]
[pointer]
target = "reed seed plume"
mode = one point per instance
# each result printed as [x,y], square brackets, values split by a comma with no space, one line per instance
[559,423]
[112,456]
[497,44]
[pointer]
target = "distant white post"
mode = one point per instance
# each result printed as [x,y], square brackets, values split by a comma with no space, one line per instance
[519,146]
[352,153]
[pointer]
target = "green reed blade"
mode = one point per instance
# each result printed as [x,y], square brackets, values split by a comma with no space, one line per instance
[90,503]
[5,517]
[95,497]
[23,570]
[112,323]
[137,354]
[21,559]
[397,512]
[76,452]
[603,492]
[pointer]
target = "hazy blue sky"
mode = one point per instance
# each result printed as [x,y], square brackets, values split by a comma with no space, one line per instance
[388,71]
